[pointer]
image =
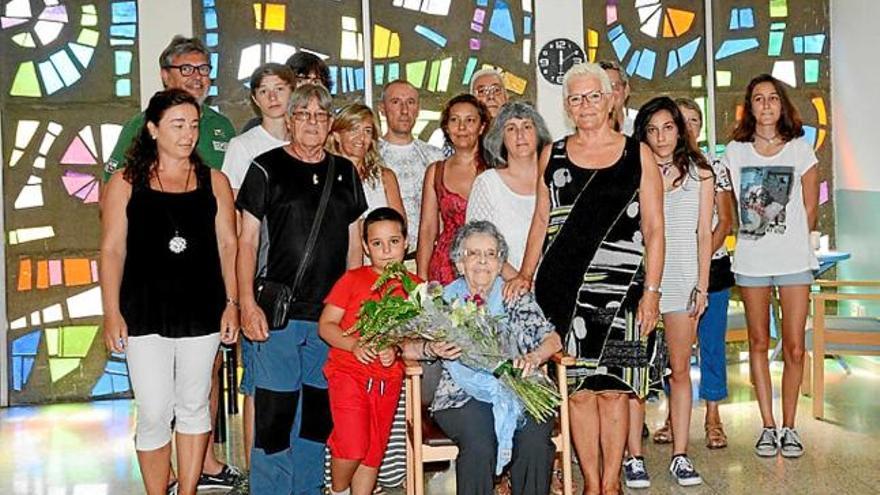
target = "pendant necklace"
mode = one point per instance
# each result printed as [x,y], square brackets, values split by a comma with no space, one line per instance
[177,244]
[666,168]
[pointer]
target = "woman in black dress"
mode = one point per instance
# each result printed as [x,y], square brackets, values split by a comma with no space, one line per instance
[599,218]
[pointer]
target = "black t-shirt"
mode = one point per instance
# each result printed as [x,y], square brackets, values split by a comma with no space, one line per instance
[284,193]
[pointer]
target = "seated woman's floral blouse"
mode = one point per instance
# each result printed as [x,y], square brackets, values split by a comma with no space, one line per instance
[521,320]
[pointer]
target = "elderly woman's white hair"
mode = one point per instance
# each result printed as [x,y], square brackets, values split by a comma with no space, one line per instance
[477,227]
[586,70]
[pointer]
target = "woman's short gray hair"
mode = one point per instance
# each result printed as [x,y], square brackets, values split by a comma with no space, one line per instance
[494,151]
[478,227]
[302,95]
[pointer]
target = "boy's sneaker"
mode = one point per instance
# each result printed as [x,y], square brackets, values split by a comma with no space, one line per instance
[226,479]
[768,442]
[683,471]
[635,474]
[790,443]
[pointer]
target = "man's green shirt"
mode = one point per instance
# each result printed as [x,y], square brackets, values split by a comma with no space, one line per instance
[215,131]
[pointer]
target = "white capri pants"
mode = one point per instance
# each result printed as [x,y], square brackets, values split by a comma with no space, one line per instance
[171,380]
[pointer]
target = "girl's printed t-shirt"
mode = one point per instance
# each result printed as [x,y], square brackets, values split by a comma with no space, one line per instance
[773,237]
[349,293]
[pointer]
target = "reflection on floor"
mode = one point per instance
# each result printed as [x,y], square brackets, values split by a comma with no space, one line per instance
[87,449]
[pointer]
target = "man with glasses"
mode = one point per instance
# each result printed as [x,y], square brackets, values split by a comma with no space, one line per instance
[488,86]
[282,189]
[184,65]
[620,89]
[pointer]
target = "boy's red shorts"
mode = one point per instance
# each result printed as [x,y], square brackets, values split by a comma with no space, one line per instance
[363,409]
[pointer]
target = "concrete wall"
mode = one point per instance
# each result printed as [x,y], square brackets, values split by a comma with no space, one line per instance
[855,79]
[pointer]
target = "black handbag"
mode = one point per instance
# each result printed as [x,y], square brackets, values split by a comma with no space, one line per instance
[276,298]
[720,274]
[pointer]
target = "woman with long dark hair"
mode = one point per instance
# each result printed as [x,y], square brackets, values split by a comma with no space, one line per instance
[168,283]
[447,186]
[773,173]
[687,213]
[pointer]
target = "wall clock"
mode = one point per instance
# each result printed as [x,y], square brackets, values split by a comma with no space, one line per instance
[556,57]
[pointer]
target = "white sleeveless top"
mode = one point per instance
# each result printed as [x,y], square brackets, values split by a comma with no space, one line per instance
[375,195]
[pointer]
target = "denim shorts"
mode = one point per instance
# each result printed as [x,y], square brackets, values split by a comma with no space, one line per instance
[799,278]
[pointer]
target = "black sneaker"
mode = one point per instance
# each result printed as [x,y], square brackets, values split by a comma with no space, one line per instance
[683,471]
[768,442]
[790,444]
[226,479]
[635,474]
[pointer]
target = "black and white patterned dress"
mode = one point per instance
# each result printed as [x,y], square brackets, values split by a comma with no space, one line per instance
[590,279]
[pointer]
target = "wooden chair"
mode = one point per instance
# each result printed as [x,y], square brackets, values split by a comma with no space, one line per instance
[425,442]
[855,335]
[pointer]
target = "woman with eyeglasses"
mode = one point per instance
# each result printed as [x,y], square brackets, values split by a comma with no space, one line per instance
[447,186]
[772,169]
[598,222]
[284,189]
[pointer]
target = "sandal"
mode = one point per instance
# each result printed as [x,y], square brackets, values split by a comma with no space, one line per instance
[715,436]
[502,485]
[556,485]
[664,434]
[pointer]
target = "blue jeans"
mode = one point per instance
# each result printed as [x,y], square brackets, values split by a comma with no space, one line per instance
[285,368]
[713,359]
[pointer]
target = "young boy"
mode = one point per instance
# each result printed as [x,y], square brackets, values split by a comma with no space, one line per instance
[364,384]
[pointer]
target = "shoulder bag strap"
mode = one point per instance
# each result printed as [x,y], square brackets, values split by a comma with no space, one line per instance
[316,224]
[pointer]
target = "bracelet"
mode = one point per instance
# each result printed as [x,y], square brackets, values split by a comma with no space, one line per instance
[232,301]
[699,290]
[653,288]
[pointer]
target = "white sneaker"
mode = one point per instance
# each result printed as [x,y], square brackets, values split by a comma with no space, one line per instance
[635,474]
[768,443]
[790,444]
[683,471]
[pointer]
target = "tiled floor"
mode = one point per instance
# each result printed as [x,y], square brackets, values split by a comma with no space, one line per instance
[86,449]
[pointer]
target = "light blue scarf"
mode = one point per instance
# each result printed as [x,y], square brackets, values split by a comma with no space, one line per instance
[483,386]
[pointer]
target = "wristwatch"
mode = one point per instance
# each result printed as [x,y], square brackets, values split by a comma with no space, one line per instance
[653,288]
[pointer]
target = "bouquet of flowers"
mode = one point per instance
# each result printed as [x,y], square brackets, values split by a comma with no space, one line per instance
[424,314]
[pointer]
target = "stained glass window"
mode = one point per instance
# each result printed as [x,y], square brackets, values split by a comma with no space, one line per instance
[80,60]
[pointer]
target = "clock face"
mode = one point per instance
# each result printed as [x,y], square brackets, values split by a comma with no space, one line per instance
[556,57]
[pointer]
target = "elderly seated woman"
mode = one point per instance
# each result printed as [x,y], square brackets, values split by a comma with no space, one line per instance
[478,252]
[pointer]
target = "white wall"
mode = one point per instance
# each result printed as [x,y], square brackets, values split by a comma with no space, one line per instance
[855,83]
[556,19]
[160,20]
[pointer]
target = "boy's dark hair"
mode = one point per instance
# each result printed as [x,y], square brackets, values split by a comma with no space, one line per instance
[384,214]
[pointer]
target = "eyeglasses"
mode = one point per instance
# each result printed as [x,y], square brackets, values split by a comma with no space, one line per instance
[187,70]
[593,98]
[474,254]
[305,116]
[491,90]
[308,79]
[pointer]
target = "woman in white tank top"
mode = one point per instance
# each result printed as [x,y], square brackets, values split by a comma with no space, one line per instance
[688,202]
[355,135]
